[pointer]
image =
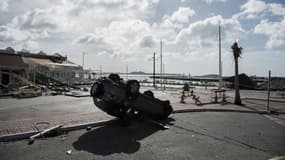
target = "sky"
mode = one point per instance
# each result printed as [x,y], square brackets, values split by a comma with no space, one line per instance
[115,34]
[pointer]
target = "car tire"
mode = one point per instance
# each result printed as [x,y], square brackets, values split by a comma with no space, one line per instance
[133,87]
[97,89]
[114,77]
[148,93]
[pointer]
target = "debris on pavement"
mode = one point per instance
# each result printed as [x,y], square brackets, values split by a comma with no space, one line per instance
[42,133]
[68,152]
[88,128]
[28,91]
[278,158]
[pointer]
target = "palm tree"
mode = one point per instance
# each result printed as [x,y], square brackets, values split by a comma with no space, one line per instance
[237,51]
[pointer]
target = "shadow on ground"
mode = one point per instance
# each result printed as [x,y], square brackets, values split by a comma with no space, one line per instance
[114,138]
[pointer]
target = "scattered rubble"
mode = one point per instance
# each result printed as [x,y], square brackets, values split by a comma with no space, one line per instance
[68,152]
[27,92]
[77,94]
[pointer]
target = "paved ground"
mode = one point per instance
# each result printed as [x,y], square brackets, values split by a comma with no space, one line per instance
[45,106]
[24,115]
[199,136]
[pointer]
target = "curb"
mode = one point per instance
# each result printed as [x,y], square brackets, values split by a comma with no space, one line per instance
[218,110]
[77,95]
[85,125]
[26,135]
[262,99]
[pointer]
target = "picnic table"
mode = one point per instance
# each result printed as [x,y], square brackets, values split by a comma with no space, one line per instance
[220,92]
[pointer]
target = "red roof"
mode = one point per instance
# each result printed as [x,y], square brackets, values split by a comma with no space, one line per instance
[12,61]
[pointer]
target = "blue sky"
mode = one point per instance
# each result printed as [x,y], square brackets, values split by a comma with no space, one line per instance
[115,33]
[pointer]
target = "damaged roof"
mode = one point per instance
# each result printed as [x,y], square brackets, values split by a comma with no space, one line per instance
[51,64]
[13,61]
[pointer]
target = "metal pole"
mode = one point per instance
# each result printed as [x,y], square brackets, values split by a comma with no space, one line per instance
[127,68]
[220,60]
[189,77]
[268,90]
[83,73]
[35,76]
[163,76]
[100,71]
[154,69]
[161,63]
[83,54]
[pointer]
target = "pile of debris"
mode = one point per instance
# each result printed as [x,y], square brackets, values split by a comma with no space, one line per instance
[275,84]
[244,82]
[27,92]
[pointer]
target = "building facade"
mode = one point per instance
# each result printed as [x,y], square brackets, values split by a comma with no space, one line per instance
[37,68]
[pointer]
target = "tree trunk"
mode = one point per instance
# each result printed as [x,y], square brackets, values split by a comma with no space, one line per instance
[237,95]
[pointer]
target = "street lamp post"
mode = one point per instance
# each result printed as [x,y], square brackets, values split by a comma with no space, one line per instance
[83,54]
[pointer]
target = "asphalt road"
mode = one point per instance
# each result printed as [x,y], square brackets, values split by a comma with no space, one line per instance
[198,136]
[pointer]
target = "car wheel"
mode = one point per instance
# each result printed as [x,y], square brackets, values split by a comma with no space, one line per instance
[148,93]
[114,77]
[133,87]
[97,89]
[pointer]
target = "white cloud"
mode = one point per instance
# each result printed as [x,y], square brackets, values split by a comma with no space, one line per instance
[32,46]
[72,19]
[36,19]
[182,15]
[134,36]
[147,41]
[10,34]
[199,41]
[35,24]
[105,9]
[254,9]
[203,34]
[274,30]
[276,9]
[122,37]
[251,9]
[4,5]
[209,1]
[178,18]
[89,38]
[213,1]
[253,6]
